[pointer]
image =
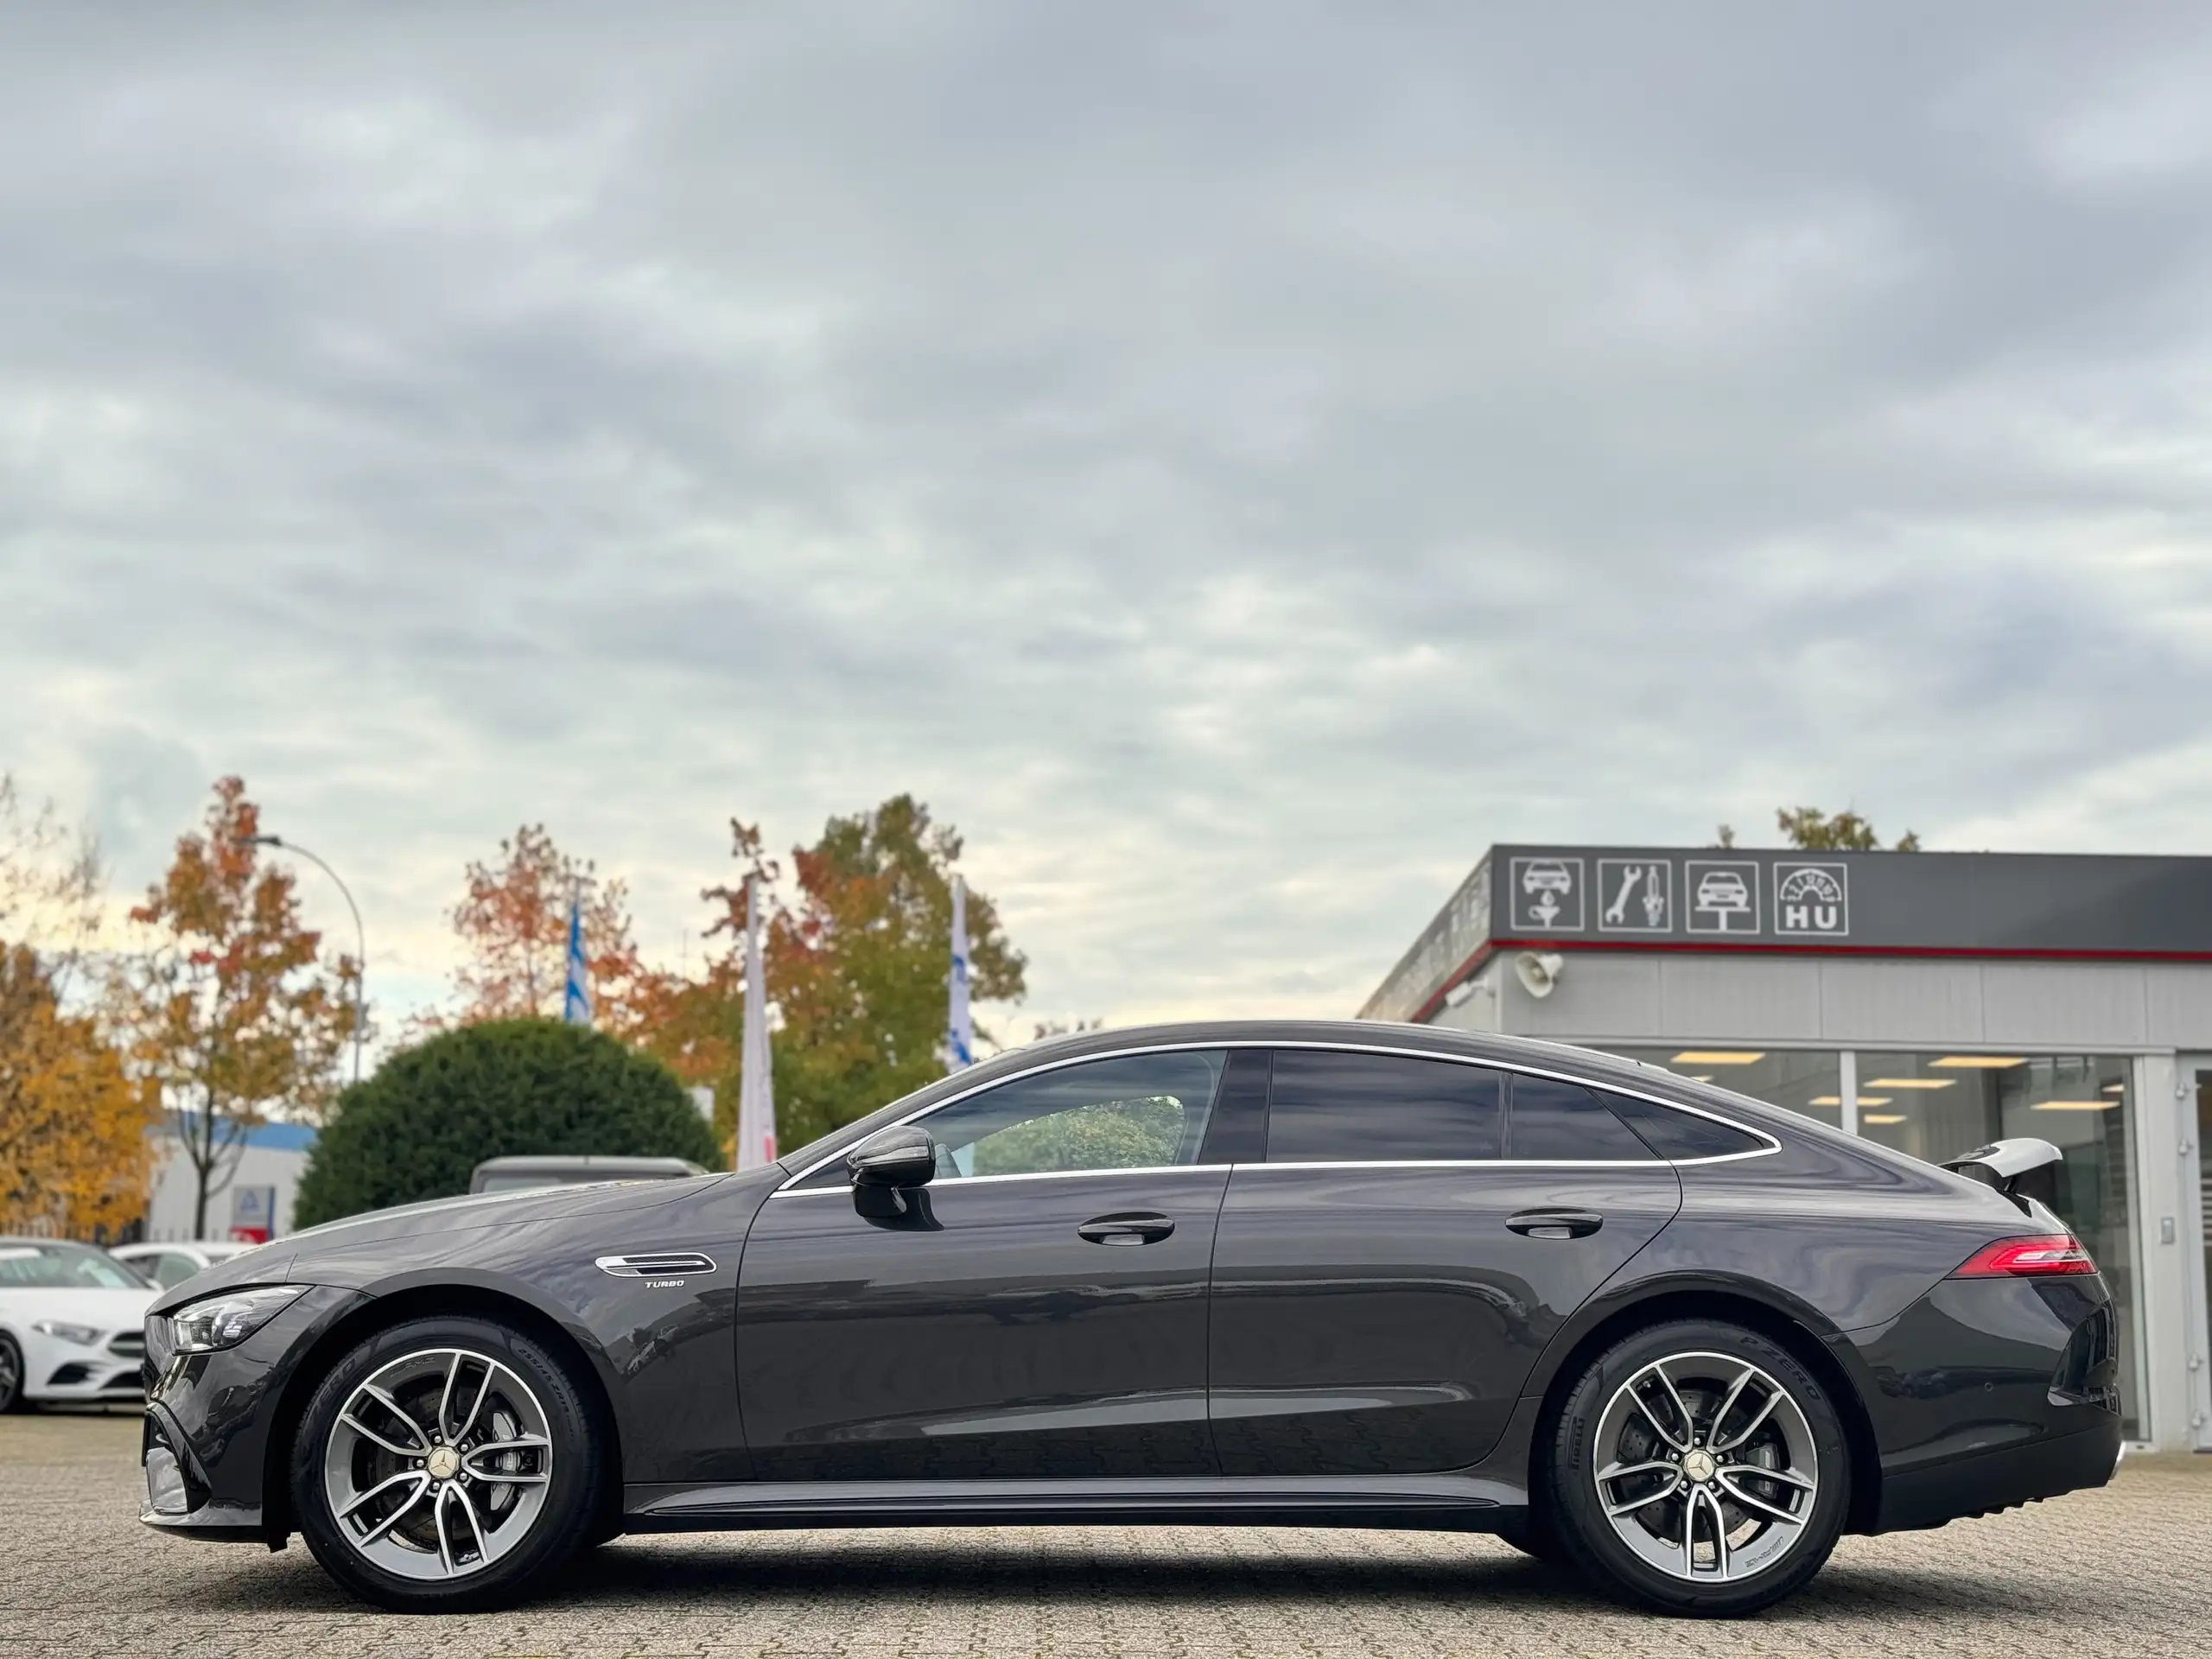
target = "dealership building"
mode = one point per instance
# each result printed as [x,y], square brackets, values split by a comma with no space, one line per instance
[1931,1002]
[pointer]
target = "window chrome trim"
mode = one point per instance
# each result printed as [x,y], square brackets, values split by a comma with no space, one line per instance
[1772,1144]
[787,1191]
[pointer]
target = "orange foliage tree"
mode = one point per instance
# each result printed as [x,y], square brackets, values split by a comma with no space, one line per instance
[231,1011]
[513,925]
[74,1154]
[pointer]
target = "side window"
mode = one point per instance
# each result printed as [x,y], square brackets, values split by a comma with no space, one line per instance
[170,1268]
[1565,1123]
[1330,1107]
[1141,1112]
[1680,1134]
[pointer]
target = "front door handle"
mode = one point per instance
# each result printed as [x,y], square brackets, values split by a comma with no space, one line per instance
[1139,1227]
[1556,1224]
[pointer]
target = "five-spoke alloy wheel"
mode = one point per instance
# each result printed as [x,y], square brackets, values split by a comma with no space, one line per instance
[1700,1468]
[443,1464]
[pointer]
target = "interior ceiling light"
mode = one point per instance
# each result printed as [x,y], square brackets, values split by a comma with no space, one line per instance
[1863,1100]
[1883,1118]
[1719,1057]
[1913,1083]
[2115,1088]
[1981,1062]
[2074,1105]
[1826,1100]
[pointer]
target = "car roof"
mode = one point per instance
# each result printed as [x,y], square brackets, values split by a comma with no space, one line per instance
[541,1163]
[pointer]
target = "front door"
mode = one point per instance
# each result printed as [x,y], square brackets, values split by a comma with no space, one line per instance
[1385,1280]
[1039,1311]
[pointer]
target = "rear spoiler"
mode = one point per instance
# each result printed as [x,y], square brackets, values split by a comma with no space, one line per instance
[2023,1169]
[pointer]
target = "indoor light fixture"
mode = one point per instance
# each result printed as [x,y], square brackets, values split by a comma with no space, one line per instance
[2074,1105]
[2115,1089]
[1883,1118]
[1981,1062]
[1913,1083]
[1837,1100]
[1719,1057]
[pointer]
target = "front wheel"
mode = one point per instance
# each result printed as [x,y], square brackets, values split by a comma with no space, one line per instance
[445,1464]
[1699,1468]
[11,1373]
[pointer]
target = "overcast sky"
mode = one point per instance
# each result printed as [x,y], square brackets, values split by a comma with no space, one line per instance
[1236,462]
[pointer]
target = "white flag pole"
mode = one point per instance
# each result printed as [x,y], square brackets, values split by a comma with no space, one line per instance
[960,1030]
[756,1100]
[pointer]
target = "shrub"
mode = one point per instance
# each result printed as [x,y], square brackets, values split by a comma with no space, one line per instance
[432,1113]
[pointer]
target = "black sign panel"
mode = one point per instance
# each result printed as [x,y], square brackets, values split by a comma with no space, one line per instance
[1998,904]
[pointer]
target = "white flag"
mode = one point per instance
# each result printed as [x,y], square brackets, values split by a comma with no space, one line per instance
[756,1094]
[960,1030]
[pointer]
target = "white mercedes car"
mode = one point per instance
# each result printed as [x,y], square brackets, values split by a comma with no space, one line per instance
[170,1265]
[72,1324]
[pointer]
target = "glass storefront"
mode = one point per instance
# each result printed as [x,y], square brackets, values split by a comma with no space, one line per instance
[1938,1106]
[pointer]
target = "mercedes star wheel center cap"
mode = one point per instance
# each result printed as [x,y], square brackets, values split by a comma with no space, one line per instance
[445,1463]
[1698,1466]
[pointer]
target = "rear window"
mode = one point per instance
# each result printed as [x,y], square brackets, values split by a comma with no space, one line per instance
[1327,1106]
[1680,1134]
[1565,1122]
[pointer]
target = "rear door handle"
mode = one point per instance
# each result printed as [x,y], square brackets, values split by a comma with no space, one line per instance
[1556,1224]
[1142,1228]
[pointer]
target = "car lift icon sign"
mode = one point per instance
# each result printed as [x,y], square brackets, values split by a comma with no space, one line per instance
[1724,895]
[1547,895]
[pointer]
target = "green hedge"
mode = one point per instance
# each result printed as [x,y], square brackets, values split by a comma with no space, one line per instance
[432,1113]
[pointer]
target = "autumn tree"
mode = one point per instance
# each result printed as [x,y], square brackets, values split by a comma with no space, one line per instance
[514,925]
[1810,827]
[230,1009]
[857,963]
[72,1125]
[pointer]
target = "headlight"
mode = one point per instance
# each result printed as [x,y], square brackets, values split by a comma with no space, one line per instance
[84,1336]
[227,1319]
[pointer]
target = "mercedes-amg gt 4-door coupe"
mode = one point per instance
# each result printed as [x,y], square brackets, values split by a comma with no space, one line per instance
[1268,1273]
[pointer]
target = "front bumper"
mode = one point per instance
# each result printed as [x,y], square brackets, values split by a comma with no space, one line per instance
[218,1417]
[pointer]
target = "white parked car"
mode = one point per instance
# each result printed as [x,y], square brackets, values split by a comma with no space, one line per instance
[72,1324]
[170,1265]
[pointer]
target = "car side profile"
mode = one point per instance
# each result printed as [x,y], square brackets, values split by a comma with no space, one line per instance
[1269,1273]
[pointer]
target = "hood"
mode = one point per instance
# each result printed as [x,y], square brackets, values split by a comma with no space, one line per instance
[110,1310]
[294,1255]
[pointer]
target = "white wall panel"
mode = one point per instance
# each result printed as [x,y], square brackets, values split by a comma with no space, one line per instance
[1598,995]
[1774,999]
[2089,1005]
[2177,1005]
[1894,1002]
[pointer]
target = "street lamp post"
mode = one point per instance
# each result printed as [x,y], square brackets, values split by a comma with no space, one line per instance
[360,937]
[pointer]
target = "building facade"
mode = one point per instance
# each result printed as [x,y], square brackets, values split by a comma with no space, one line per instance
[255,1186]
[1932,1001]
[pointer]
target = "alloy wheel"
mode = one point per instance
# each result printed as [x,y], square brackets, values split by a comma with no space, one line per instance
[1706,1468]
[438,1465]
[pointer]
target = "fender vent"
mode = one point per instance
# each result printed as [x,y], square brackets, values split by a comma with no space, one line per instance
[663,1264]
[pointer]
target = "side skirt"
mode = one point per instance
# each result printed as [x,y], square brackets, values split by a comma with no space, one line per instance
[1434,1503]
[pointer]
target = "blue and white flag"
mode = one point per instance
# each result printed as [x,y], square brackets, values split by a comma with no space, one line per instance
[960,1030]
[576,1001]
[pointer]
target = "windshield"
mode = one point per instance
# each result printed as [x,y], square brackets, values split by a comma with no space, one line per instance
[42,1265]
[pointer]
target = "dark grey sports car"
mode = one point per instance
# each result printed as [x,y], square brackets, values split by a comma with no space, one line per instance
[1269,1273]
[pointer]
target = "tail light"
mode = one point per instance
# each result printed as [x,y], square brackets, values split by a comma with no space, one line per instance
[2041,1256]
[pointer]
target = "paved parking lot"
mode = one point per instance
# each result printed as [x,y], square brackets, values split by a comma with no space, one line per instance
[2124,1571]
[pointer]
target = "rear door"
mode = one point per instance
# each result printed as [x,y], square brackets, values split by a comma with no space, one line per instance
[1384,1281]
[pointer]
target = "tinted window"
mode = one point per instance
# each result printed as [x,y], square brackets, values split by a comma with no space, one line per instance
[1334,1107]
[1139,1112]
[1679,1135]
[1564,1120]
[61,1266]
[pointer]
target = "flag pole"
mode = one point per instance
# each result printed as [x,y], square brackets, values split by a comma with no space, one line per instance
[756,1101]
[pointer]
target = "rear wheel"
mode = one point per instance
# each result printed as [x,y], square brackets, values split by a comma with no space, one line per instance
[445,1464]
[1699,1468]
[12,1375]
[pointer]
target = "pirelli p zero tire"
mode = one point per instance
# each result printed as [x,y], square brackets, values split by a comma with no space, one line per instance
[446,1465]
[1698,1468]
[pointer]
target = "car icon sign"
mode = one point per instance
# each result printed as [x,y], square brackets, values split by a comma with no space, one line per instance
[1547,875]
[1723,889]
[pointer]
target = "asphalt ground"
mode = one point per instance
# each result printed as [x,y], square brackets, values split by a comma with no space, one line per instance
[2124,1571]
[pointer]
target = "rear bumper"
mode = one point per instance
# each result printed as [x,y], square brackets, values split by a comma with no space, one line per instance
[1989,1481]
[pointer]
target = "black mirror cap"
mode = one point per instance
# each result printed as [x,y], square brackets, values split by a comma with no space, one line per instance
[901,1156]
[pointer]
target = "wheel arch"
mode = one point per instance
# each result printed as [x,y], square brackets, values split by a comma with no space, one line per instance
[396,1306]
[1809,1338]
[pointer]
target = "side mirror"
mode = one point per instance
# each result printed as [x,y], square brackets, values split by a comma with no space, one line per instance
[900,1156]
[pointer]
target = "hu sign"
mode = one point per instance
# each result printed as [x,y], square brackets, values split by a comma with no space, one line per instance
[1812,899]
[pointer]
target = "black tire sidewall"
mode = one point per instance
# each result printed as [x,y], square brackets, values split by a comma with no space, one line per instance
[15,1400]
[1579,1521]
[571,1499]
